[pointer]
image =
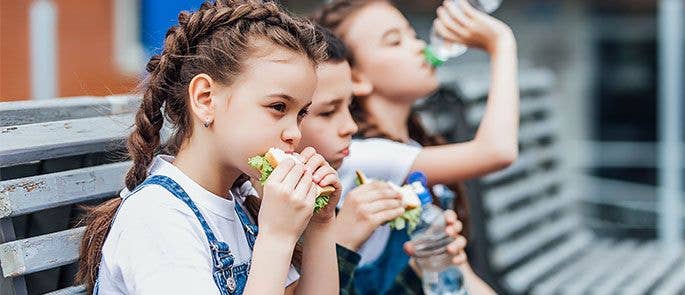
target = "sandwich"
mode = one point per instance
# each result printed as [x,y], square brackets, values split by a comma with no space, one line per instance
[268,162]
[410,201]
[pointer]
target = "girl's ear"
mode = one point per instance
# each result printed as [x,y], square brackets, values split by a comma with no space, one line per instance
[201,103]
[361,85]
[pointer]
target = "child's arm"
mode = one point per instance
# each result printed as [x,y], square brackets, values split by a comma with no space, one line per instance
[286,208]
[319,259]
[495,145]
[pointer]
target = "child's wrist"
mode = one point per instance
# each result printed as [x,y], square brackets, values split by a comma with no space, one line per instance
[282,239]
[505,41]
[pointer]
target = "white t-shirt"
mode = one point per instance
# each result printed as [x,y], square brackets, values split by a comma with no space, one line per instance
[380,159]
[157,246]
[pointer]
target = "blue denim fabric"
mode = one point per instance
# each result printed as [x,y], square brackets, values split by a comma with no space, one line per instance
[229,279]
[377,276]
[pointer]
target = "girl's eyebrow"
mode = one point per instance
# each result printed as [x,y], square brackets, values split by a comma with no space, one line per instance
[335,101]
[390,31]
[283,96]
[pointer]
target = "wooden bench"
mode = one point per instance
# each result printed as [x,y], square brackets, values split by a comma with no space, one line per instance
[53,155]
[527,220]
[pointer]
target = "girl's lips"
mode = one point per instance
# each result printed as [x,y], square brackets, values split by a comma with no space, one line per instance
[345,152]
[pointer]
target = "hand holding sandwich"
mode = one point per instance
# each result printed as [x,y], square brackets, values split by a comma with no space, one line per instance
[324,176]
[366,207]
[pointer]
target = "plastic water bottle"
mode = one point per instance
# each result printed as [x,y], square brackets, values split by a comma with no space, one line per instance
[439,275]
[440,51]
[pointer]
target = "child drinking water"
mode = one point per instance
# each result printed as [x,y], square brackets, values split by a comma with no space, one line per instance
[389,74]
[235,78]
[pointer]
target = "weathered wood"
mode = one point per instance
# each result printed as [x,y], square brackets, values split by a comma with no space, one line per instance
[34,254]
[521,278]
[26,143]
[75,290]
[31,112]
[30,194]
[509,252]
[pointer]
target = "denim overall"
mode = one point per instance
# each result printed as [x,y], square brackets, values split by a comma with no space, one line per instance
[229,278]
[378,276]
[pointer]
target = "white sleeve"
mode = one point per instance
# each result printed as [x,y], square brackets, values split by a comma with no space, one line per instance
[380,159]
[160,252]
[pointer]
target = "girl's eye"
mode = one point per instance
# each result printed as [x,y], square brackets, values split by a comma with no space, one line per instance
[327,114]
[279,107]
[303,113]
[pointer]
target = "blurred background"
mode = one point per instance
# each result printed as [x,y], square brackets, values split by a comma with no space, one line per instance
[613,70]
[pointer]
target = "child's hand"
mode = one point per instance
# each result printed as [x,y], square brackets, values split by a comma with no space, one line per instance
[288,201]
[366,207]
[323,175]
[453,229]
[461,23]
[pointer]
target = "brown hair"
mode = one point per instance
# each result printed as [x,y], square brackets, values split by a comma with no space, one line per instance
[215,40]
[332,15]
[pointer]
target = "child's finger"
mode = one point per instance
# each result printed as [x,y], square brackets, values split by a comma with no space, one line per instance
[409,248]
[332,180]
[307,153]
[294,176]
[459,258]
[314,164]
[454,229]
[468,10]
[450,216]
[387,215]
[457,15]
[445,33]
[383,205]
[281,171]
[304,185]
[312,193]
[457,245]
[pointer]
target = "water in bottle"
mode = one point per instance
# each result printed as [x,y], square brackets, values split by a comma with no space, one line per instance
[440,51]
[439,275]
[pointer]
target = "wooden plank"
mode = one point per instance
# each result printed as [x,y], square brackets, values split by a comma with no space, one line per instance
[31,112]
[501,197]
[520,279]
[529,160]
[30,194]
[674,282]
[647,278]
[634,262]
[75,290]
[575,268]
[475,87]
[505,224]
[528,107]
[505,254]
[34,254]
[26,143]
[601,268]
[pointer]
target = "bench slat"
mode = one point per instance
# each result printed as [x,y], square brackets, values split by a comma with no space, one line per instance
[521,278]
[34,254]
[639,260]
[31,112]
[475,87]
[648,276]
[75,290]
[27,143]
[620,254]
[675,282]
[528,107]
[552,283]
[529,160]
[501,197]
[507,253]
[505,224]
[30,194]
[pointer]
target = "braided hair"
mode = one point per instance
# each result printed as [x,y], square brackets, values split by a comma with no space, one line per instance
[214,40]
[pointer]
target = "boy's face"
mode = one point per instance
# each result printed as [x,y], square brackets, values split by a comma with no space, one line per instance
[329,126]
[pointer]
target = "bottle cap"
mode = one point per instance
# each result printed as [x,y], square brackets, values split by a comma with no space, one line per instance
[431,57]
[420,183]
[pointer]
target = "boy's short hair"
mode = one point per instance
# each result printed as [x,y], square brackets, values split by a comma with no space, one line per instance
[335,48]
